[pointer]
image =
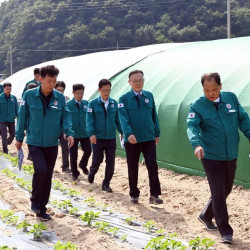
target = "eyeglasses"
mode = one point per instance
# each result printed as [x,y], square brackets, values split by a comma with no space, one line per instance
[137,81]
[106,91]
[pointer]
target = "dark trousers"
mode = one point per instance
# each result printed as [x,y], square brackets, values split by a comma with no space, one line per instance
[133,151]
[44,160]
[65,151]
[7,141]
[220,175]
[108,146]
[86,148]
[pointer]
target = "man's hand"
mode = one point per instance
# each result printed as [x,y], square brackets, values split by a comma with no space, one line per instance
[157,140]
[121,137]
[199,152]
[132,139]
[18,145]
[70,140]
[93,139]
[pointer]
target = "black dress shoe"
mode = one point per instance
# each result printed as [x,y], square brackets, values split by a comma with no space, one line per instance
[35,207]
[209,224]
[66,169]
[44,216]
[74,178]
[227,239]
[107,189]
[91,178]
[85,170]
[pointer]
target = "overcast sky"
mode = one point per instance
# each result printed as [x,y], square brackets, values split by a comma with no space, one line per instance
[2,1]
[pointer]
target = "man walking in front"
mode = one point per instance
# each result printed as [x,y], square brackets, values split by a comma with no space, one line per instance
[213,123]
[141,135]
[102,122]
[44,114]
[8,114]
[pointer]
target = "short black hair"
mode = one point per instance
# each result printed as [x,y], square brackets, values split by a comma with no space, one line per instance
[210,76]
[104,82]
[7,84]
[135,72]
[49,70]
[60,84]
[36,71]
[78,86]
[32,86]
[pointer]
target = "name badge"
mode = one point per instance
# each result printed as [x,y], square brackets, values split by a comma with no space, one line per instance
[232,110]
[54,107]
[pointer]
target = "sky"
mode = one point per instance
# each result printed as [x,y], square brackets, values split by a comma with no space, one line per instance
[2,1]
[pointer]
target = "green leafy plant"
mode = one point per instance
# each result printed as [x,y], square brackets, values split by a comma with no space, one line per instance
[74,211]
[73,192]
[24,225]
[150,225]
[57,185]
[160,232]
[66,204]
[37,230]
[103,207]
[124,237]
[89,216]
[29,169]
[113,231]
[102,226]
[198,243]
[5,248]
[65,246]
[129,220]
[54,203]
[8,217]
[90,201]
[9,173]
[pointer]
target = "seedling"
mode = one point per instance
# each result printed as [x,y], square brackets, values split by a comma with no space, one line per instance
[129,220]
[29,169]
[65,246]
[5,248]
[66,204]
[161,243]
[73,211]
[37,230]
[113,231]
[102,226]
[160,232]
[9,173]
[124,237]
[150,225]
[89,216]
[73,192]
[54,203]
[24,225]
[90,201]
[103,207]
[8,217]
[198,243]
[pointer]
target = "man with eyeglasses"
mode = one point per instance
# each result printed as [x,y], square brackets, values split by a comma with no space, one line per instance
[141,135]
[102,122]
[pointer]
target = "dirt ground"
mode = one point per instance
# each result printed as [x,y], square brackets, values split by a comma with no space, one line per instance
[184,197]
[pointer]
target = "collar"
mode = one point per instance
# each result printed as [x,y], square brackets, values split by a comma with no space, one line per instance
[104,101]
[136,93]
[54,92]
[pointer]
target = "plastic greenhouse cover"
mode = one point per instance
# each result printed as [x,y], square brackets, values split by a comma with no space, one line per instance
[137,236]
[88,69]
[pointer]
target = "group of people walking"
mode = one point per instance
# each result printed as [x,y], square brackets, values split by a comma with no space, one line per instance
[46,116]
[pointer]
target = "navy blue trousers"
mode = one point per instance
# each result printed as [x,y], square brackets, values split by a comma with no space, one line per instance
[220,175]
[44,160]
[108,146]
[5,139]
[65,151]
[86,148]
[133,151]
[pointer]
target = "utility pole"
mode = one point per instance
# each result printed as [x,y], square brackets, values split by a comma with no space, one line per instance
[11,66]
[228,20]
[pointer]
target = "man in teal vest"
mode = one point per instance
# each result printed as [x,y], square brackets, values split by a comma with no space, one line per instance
[141,135]
[213,123]
[78,108]
[102,122]
[8,113]
[35,80]
[43,114]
